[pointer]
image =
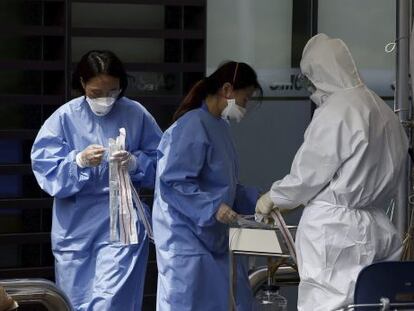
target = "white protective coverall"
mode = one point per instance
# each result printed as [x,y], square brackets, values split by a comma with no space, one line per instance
[345,173]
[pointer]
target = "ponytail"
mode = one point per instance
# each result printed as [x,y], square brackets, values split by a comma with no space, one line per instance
[240,75]
[193,100]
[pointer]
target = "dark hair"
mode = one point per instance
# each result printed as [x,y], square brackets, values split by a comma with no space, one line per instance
[239,75]
[97,62]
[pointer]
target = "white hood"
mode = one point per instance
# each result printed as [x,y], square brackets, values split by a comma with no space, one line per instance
[328,63]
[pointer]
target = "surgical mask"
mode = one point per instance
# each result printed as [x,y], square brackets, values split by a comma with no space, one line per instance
[101,105]
[233,111]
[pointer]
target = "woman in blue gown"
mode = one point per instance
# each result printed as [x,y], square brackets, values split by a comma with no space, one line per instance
[197,195]
[69,162]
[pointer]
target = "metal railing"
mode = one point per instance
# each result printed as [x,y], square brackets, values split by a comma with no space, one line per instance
[36,291]
[383,305]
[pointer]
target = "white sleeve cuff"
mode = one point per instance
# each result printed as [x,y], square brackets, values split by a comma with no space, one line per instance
[79,161]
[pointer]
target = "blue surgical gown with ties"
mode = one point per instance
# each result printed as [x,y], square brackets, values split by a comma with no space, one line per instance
[94,273]
[197,170]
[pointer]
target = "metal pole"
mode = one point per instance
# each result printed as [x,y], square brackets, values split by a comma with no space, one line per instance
[402,103]
[232,280]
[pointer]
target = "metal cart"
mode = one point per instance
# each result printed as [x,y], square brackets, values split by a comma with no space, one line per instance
[253,241]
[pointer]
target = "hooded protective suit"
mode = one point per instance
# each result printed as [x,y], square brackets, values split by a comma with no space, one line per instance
[345,173]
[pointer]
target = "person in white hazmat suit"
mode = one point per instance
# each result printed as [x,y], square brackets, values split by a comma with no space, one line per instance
[345,173]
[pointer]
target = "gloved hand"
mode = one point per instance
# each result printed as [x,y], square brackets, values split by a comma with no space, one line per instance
[91,156]
[267,219]
[225,214]
[126,159]
[265,204]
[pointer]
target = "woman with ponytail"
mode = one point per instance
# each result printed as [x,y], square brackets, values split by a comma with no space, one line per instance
[197,194]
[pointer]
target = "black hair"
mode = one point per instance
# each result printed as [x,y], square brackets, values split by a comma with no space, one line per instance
[239,75]
[97,62]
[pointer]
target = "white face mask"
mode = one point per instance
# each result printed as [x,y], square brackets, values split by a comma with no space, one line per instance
[101,105]
[233,111]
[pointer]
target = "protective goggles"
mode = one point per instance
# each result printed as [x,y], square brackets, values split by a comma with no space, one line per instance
[304,82]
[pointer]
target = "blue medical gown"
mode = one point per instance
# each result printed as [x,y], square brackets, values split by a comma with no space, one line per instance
[197,171]
[95,274]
